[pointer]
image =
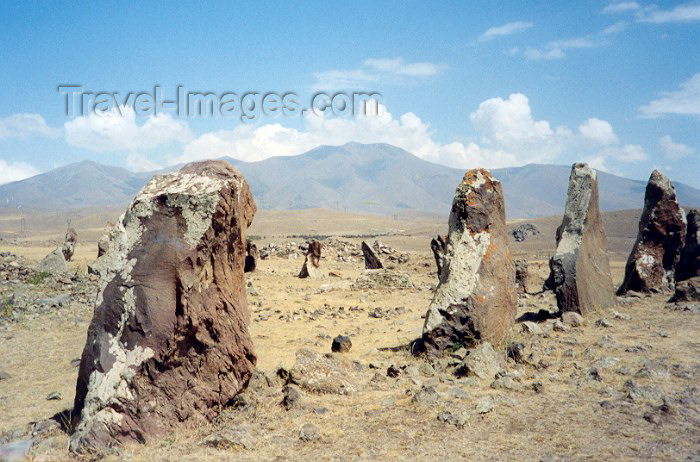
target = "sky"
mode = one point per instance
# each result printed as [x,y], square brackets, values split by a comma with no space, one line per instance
[465,84]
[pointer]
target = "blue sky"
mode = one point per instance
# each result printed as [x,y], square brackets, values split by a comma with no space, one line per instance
[616,84]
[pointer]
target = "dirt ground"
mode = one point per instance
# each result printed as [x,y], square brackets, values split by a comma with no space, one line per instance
[628,391]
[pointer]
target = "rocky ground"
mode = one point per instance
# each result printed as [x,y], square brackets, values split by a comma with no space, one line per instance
[622,386]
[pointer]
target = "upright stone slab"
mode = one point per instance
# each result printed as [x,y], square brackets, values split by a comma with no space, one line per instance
[371,259]
[251,257]
[312,262]
[580,269]
[475,299]
[69,244]
[652,263]
[689,264]
[168,341]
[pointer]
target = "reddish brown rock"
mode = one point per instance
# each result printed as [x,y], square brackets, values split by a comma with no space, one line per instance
[475,299]
[438,246]
[312,262]
[652,263]
[371,259]
[69,244]
[580,269]
[251,257]
[168,342]
[689,264]
[687,291]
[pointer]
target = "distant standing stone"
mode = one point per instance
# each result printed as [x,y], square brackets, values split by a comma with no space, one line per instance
[341,344]
[689,264]
[312,262]
[662,228]
[69,244]
[580,269]
[251,257]
[371,259]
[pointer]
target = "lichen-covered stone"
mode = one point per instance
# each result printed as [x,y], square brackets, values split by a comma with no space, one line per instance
[580,269]
[168,341]
[476,298]
[54,263]
[656,252]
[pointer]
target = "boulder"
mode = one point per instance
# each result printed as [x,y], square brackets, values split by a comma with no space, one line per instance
[476,298]
[251,256]
[689,264]
[312,261]
[652,263]
[580,269]
[371,259]
[438,245]
[69,244]
[687,291]
[523,231]
[169,341]
[54,263]
[482,362]
[329,373]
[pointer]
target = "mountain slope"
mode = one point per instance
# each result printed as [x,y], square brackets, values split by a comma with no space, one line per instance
[374,178]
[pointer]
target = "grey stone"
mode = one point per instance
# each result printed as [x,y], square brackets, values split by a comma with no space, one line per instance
[54,263]
[309,432]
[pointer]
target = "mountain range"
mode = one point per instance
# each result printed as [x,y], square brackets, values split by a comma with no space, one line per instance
[368,178]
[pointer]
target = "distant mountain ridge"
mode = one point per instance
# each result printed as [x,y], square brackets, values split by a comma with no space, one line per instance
[367,178]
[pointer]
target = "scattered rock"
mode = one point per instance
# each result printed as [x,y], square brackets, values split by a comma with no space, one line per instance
[503,383]
[171,313]
[231,439]
[309,432]
[330,373]
[687,291]
[54,396]
[458,419]
[426,395]
[371,259]
[602,322]
[383,278]
[559,326]
[571,318]
[530,327]
[538,387]
[484,405]
[393,372]
[4,376]
[516,351]
[312,262]
[662,228]
[482,362]
[475,299]
[580,269]
[54,263]
[341,344]
[292,397]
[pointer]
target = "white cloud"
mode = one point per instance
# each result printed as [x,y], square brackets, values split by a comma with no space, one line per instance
[115,131]
[688,12]
[621,7]
[685,101]
[557,49]
[509,135]
[140,163]
[597,131]
[393,70]
[15,171]
[615,28]
[674,150]
[25,125]
[506,29]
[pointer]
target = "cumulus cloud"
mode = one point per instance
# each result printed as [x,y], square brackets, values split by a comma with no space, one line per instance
[685,101]
[25,125]
[374,70]
[615,28]
[674,150]
[117,131]
[15,171]
[621,7]
[505,29]
[688,12]
[509,135]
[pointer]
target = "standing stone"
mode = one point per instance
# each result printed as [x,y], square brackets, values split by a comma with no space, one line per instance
[580,269]
[312,262]
[438,245]
[475,299]
[251,256]
[652,262]
[689,264]
[371,259]
[54,263]
[69,244]
[169,340]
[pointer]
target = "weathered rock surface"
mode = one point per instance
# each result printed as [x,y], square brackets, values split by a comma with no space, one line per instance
[526,282]
[371,259]
[312,262]
[383,278]
[687,291]
[522,232]
[438,245]
[482,362]
[329,373]
[689,264]
[580,269]
[168,341]
[475,299]
[662,227]
[54,263]
[69,242]
[251,257]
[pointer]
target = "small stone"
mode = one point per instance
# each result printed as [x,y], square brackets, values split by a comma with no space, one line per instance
[54,396]
[593,374]
[309,432]
[516,351]
[530,327]
[571,318]
[559,326]
[426,395]
[503,383]
[621,316]
[458,393]
[484,405]
[538,387]
[235,439]
[4,375]
[292,397]
[393,372]
[341,344]
[482,362]
[602,322]
[456,419]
